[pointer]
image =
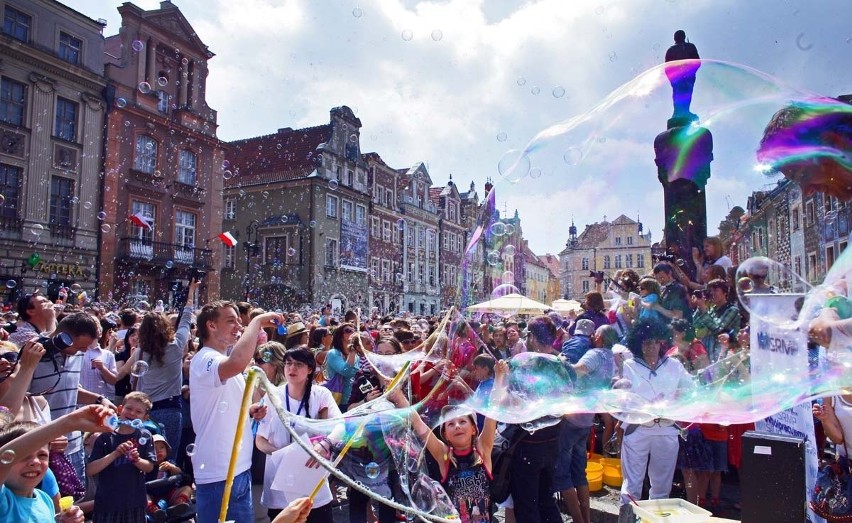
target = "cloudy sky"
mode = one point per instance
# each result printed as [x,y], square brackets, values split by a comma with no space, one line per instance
[458,84]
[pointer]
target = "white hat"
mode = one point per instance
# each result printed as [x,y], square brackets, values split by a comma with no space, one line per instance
[584,327]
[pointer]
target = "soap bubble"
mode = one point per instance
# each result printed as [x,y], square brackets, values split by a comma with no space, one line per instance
[509,251]
[498,228]
[372,470]
[139,368]
[11,284]
[162,81]
[333,184]
[514,166]
[87,205]
[508,277]
[136,423]
[357,12]
[37,229]
[222,407]
[291,252]
[312,224]
[502,137]
[437,35]
[120,103]
[106,227]
[169,264]
[137,45]
[493,258]
[190,450]
[144,436]
[558,91]
[144,87]
[102,215]
[7,457]
[407,35]
[227,174]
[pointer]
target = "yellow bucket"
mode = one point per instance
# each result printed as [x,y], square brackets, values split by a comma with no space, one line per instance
[594,475]
[612,472]
[594,458]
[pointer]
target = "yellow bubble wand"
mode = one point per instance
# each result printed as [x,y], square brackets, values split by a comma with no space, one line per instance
[251,381]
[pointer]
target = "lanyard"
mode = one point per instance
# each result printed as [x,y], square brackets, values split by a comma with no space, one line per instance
[301,405]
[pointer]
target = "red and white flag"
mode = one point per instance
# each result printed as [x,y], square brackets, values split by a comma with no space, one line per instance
[228,239]
[140,220]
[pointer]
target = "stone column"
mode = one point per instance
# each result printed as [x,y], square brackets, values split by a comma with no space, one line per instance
[38,171]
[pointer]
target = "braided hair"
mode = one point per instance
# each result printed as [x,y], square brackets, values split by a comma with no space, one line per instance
[304,355]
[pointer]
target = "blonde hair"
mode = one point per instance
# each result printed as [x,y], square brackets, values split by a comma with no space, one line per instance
[141,397]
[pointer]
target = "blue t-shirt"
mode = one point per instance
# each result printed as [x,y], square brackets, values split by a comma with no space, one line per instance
[49,484]
[574,348]
[36,509]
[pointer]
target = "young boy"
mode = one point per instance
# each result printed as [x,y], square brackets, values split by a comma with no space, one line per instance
[23,464]
[483,373]
[176,496]
[120,461]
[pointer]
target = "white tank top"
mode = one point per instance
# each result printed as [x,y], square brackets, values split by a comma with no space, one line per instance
[843,411]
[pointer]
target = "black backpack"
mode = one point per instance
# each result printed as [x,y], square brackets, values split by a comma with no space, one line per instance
[501,461]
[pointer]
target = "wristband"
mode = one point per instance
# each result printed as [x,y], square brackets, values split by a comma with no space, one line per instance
[99,400]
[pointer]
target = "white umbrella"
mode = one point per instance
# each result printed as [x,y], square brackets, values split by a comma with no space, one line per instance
[510,304]
[565,306]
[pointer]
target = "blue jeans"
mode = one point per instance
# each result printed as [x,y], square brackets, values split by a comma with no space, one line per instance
[171,418]
[209,499]
[571,463]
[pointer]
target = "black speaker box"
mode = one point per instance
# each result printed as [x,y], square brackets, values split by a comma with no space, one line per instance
[772,479]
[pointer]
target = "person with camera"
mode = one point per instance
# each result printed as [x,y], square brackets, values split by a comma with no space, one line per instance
[714,314]
[674,300]
[57,376]
[35,316]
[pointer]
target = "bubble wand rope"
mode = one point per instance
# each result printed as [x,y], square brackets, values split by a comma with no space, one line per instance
[251,381]
[391,386]
[283,414]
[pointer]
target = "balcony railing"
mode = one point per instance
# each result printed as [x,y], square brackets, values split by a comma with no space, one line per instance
[60,230]
[159,253]
[10,223]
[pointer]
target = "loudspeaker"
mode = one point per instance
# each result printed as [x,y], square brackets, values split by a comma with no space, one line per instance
[772,479]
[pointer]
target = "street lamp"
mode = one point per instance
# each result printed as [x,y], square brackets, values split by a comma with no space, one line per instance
[252,249]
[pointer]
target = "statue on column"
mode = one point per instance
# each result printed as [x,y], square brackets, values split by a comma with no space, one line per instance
[682,73]
[683,153]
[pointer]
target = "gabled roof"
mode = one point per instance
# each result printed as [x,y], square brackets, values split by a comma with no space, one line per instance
[171,20]
[530,257]
[594,235]
[551,262]
[435,195]
[286,155]
[623,220]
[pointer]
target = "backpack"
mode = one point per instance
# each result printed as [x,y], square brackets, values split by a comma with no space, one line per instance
[501,461]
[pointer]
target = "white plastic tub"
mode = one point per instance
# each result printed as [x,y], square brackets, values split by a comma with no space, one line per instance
[670,511]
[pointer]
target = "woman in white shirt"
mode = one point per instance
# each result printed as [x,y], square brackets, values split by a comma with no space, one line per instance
[300,396]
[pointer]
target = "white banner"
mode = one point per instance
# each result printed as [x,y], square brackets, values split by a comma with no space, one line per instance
[777,350]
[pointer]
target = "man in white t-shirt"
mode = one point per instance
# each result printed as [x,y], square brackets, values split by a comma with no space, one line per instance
[217,384]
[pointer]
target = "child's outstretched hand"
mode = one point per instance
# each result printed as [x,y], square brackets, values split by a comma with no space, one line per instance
[90,418]
[501,369]
[295,512]
[72,515]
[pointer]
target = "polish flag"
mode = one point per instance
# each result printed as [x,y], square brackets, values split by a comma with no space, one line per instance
[140,220]
[228,239]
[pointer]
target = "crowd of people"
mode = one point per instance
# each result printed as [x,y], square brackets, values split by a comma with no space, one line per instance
[133,413]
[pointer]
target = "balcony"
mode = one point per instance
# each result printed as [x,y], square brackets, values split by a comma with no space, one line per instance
[159,253]
[64,231]
[8,223]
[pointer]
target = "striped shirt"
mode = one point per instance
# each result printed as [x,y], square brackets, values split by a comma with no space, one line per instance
[57,379]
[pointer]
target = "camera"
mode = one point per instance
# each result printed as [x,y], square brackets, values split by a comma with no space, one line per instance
[597,275]
[366,387]
[9,327]
[197,275]
[56,344]
[703,294]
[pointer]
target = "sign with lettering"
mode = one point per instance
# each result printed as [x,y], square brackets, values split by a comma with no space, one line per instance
[61,269]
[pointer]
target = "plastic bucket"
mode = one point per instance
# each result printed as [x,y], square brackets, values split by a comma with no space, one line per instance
[612,472]
[594,475]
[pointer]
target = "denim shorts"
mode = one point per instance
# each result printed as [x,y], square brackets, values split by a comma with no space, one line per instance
[209,498]
[718,451]
[571,463]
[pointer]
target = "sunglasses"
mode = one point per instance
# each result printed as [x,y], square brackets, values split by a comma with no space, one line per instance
[11,357]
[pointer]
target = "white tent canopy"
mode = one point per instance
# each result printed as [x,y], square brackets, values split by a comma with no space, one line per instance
[508,305]
[566,306]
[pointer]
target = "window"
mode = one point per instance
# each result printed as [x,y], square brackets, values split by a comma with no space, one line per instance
[812,265]
[794,219]
[66,120]
[410,272]
[374,268]
[230,209]
[830,203]
[386,231]
[61,192]
[628,261]
[187,167]
[185,229]
[229,257]
[618,240]
[421,237]
[810,215]
[431,275]
[630,240]
[374,227]
[349,177]
[69,48]
[13,101]
[640,261]
[274,249]
[386,271]
[798,264]
[17,24]
[146,154]
[149,211]
[395,230]
[346,213]
[10,187]
[389,201]
[829,256]
[585,286]
[410,237]
[617,261]
[164,100]
[330,252]
[331,206]
[606,262]
[840,247]
[430,240]
[380,195]
[360,215]
[584,265]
